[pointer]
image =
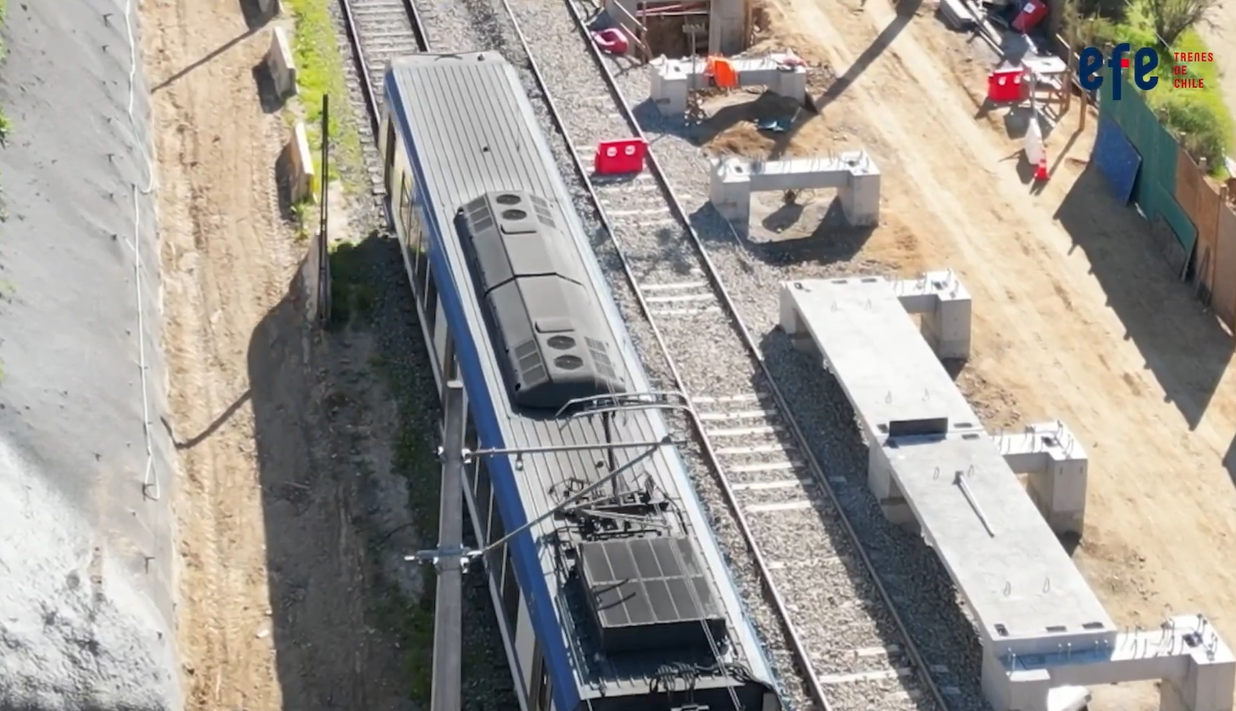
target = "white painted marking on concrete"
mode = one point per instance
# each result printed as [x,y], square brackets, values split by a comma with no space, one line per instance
[769,485]
[877,651]
[800,505]
[788,465]
[746,431]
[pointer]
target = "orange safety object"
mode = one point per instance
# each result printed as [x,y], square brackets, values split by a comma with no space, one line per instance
[1040,171]
[620,157]
[1005,86]
[722,73]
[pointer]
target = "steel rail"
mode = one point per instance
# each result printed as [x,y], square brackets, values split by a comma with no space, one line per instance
[817,470]
[362,66]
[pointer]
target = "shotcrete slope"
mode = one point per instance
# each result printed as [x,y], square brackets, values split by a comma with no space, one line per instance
[86,584]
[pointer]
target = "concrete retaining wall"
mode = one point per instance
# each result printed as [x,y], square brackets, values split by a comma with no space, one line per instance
[87,585]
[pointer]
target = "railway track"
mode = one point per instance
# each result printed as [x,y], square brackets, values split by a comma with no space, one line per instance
[837,640]
[379,31]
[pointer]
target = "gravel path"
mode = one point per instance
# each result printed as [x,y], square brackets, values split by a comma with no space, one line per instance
[851,640]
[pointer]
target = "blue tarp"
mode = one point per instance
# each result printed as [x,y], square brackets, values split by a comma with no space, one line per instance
[1116,159]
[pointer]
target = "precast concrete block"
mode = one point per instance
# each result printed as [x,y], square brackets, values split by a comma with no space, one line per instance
[727,21]
[670,86]
[945,309]
[295,166]
[1057,470]
[791,84]
[853,174]
[860,196]
[729,189]
[281,64]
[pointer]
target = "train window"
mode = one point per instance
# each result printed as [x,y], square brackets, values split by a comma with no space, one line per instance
[431,300]
[390,154]
[510,588]
[405,205]
[545,695]
[536,695]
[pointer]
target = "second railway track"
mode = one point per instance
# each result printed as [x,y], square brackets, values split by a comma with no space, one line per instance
[832,631]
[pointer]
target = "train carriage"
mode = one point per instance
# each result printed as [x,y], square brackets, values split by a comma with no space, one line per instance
[612,592]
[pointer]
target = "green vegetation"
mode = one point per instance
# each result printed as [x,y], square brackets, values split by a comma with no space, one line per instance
[1197,117]
[319,72]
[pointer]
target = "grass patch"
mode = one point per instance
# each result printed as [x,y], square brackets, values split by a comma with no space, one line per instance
[1197,117]
[319,72]
[352,292]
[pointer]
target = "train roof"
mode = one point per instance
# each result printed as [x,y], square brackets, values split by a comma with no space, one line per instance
[473,133]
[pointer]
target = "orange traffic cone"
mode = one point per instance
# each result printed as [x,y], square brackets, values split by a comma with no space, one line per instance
[1040,171]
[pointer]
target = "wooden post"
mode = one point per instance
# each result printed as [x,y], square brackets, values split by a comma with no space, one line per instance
[1085,103]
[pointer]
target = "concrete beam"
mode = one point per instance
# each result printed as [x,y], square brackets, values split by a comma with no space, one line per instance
[853,174]
[674,79]
[295,166]
[281,64]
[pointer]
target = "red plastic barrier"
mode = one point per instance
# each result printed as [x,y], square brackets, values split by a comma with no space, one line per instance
[1031,14]
[619,157]
[1005,86]
[611,40]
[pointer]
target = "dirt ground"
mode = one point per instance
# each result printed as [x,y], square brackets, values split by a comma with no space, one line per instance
[1076,317]
[286,437]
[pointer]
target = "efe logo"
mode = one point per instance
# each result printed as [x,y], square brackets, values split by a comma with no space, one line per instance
[1090,63]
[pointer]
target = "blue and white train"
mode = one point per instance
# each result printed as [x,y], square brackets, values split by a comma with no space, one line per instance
[619,598]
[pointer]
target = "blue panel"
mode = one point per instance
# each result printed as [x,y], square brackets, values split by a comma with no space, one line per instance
[524,554]
[1116,158]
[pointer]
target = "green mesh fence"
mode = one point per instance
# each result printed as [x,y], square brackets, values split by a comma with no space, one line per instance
[1155,189]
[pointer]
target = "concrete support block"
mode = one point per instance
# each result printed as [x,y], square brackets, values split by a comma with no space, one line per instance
[1057,470]
[884,488]
[860,199]
[729,189]
[853,174]
[670,86]
[727,21]
[295,166]
[791,84]
[281,64]
[1013,690]
[945,308]
[1208,683]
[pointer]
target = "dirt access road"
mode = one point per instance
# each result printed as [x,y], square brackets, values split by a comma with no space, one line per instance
[1075,316]
[285,435]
